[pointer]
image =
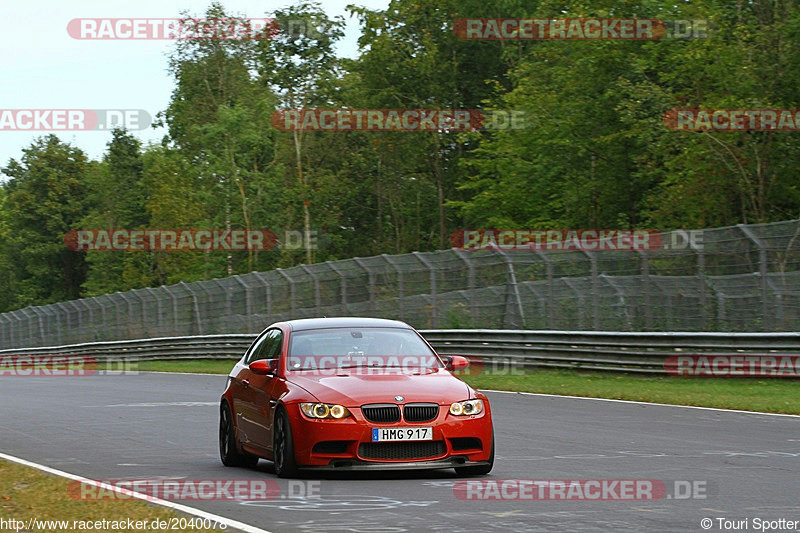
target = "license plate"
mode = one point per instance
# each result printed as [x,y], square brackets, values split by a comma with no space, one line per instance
[395,434]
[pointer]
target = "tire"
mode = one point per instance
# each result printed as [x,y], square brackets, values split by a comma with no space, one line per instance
[479,470]
[283,447]
[228,448]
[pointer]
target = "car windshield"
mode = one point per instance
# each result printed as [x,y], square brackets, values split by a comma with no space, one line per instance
[334,348]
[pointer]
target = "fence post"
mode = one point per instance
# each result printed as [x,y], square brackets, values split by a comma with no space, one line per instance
[129,322]
[648,309]
[174,299]
[578,293]
[342,286]
[473,310]
[248,303]
[595,290]
[268,287]
[551,297]
[317,298]
[512,283]
[400,287]
[292,298]
[371,276]
[4,331]
[701,273]
[762,269]
[432,277]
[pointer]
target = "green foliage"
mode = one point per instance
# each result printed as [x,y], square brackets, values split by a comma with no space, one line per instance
[596,152]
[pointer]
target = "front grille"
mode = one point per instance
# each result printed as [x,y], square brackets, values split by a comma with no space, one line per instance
[381,412]
[401,450]
[421,412]
[466,443]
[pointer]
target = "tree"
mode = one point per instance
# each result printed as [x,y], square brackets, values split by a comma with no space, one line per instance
[45,198]
[300,65]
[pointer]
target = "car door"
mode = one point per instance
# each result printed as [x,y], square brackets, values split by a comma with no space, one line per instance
[244,393]
[265,390]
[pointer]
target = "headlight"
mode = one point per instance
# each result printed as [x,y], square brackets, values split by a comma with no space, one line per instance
[324,410]
[469,407]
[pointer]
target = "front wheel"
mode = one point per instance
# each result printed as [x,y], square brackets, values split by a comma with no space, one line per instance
[228,451]
[480,470]
[283,446]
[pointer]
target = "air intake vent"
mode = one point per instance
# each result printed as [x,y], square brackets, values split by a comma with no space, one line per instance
[402,450]
[381,412]
[420,412]
[466,443]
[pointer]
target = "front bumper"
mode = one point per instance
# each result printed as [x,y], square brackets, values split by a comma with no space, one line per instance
[352,465]
[346,444]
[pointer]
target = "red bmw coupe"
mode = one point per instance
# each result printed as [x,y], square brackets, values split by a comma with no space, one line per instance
[352,394]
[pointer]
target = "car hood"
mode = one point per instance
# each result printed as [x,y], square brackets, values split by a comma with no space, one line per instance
[355,387]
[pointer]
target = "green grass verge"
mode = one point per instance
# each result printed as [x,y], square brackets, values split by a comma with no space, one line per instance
[200,366]
[778,395]
[26,493]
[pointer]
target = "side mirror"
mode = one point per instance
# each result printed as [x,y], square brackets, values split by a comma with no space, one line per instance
[264,367]
[456,362]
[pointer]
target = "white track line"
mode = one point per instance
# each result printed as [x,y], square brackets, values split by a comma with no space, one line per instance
[164,503]
[639,403]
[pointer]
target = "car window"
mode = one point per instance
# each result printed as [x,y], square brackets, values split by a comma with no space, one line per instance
[264,346]
[274,349]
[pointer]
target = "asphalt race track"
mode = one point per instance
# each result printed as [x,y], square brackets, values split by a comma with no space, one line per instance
[165,426]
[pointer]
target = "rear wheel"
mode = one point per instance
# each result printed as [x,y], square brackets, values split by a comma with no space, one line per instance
[283,446]
[228,450]
[479,470]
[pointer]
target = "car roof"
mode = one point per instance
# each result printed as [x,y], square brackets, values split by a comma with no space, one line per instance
[344,322]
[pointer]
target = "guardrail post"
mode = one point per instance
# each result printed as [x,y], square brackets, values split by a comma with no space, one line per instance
[432,276]
[762,270]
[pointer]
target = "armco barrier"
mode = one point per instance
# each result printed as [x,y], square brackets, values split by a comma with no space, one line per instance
[604,350]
